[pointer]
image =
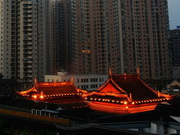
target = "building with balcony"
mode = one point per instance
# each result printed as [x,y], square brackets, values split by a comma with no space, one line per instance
[94,37]
[145,27]
[121,35]
[58,36]
[24,39]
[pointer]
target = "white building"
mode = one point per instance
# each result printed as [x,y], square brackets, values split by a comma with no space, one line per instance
[82,81]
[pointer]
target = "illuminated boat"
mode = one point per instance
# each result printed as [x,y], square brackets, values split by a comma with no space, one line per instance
[125,94]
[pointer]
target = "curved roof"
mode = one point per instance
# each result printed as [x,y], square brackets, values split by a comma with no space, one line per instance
[174,83]
[111,87]
[57,88]
[49,88]
[133,85]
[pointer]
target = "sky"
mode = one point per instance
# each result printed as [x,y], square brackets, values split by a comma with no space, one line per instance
[174,13]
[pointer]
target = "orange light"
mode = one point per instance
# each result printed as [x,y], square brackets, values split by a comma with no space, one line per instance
[127,107]
[125,102]
[35,96]
[41,97]
[133,103]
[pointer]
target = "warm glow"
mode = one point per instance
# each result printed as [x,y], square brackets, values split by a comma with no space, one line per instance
[86,51]
[133,103]
[125,102]
[127,107]
[41,97]
[34,96]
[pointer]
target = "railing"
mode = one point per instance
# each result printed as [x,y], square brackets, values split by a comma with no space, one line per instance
[38,117]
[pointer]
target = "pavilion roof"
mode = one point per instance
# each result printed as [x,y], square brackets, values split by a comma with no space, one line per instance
[60,87]
[49,88]
[133,85]
[111,87]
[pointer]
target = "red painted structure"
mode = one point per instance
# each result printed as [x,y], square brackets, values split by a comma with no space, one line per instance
[124,94]
[62,93]
[121,94]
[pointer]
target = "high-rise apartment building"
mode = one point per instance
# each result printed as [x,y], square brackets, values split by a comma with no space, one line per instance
[175,52]
[94,37]
[145,26]
[39,37]
[121,35]
[58,36]
[24,45]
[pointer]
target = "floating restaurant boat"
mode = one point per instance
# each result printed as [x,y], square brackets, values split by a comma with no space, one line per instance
[125,94]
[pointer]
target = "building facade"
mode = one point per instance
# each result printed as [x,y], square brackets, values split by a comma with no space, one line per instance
[121,35]
[145,26]
[82,81]
[24,39]
[41,37]
[58,36]
[175,52]
[94,37]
